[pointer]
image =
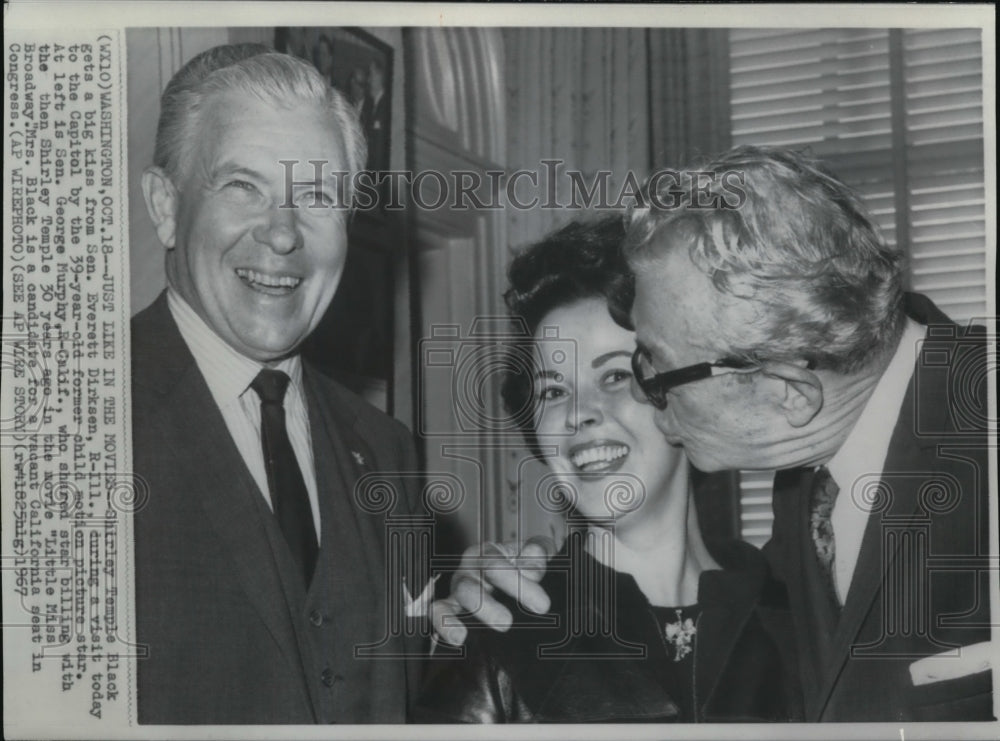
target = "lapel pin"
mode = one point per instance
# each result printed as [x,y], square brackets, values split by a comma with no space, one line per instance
[360,459]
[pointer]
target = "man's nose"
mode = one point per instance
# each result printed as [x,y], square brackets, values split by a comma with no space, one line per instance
[280,230]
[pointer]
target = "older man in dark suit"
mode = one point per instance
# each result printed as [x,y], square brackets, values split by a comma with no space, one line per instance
[260,576]
[815,362]
[773,332]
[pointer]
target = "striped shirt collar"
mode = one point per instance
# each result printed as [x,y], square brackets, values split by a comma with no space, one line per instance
[227,373]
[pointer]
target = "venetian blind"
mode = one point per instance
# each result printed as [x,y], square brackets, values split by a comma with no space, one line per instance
[898,115]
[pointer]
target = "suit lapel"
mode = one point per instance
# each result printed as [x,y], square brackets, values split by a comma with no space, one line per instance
[795,549]
[906,455]
[878,554]
[219,482]
[727,605]
[341,458]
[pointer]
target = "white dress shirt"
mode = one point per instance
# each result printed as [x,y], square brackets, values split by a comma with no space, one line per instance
[859,462]
[229,375]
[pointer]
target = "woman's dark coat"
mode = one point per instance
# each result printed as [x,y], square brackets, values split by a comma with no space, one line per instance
[591,663]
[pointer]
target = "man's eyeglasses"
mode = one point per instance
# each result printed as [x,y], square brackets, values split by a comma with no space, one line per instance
[656,385]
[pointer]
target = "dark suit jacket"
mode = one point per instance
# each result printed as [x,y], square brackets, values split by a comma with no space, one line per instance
[613,667]
[232,636]
[921,585]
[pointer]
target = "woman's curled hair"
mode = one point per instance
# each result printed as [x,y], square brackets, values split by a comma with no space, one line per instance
[582,260]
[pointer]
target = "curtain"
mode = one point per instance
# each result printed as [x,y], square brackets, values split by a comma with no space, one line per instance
[578,95]
[688,94]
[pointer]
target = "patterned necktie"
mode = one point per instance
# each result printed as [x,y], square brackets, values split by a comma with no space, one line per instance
[823,495]
[289,496]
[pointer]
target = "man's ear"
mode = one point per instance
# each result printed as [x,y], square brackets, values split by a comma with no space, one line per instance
[161,203]
[803,396]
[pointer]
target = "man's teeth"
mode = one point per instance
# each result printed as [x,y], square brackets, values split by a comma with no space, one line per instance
[269,281]
[599,457]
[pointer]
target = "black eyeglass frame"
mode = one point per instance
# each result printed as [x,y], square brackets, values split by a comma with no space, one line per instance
[657,386]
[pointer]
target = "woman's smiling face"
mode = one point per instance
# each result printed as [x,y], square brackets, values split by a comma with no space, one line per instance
[605,446]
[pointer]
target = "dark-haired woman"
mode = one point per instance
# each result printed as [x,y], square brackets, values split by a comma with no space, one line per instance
[648,622]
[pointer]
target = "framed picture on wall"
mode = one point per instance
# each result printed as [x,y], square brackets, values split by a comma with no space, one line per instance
[359,66]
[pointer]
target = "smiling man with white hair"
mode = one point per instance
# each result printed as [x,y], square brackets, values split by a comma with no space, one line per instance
[257,572]
[868,400]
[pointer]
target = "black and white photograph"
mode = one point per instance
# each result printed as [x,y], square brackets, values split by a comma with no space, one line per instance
[588,366]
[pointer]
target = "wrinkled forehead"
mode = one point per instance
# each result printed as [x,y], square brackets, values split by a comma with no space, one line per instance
[235,126]
[677,309]
[247,112]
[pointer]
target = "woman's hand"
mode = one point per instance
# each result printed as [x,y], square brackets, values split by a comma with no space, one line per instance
[488,566]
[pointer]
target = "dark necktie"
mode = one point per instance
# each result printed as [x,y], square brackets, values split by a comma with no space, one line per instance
[289,496]
[823,495]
